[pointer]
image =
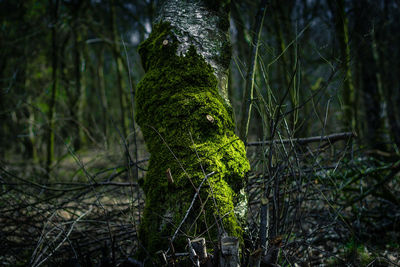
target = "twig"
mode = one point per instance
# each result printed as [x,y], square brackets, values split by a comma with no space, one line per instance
[65,238]
[191,205]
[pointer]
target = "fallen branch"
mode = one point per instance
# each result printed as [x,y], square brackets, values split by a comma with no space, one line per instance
[324,138]
[394,171]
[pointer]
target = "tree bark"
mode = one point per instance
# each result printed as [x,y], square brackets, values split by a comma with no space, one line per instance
[197,163]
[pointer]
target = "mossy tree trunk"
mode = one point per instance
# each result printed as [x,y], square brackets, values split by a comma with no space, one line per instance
[187,122]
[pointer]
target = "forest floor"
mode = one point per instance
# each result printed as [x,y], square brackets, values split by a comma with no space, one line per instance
[90,207]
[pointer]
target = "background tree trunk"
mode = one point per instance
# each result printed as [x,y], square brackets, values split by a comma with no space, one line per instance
[342,32]
[52,101]
[118,68]
[197,163]
[368,76]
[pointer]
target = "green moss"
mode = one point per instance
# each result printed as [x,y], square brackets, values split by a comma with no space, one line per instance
[188,128]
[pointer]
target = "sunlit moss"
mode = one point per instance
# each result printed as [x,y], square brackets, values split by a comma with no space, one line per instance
[188,128]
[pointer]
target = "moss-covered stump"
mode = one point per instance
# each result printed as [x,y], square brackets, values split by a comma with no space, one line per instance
[189,131]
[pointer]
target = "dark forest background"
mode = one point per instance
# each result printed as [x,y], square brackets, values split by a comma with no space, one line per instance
[71,155]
